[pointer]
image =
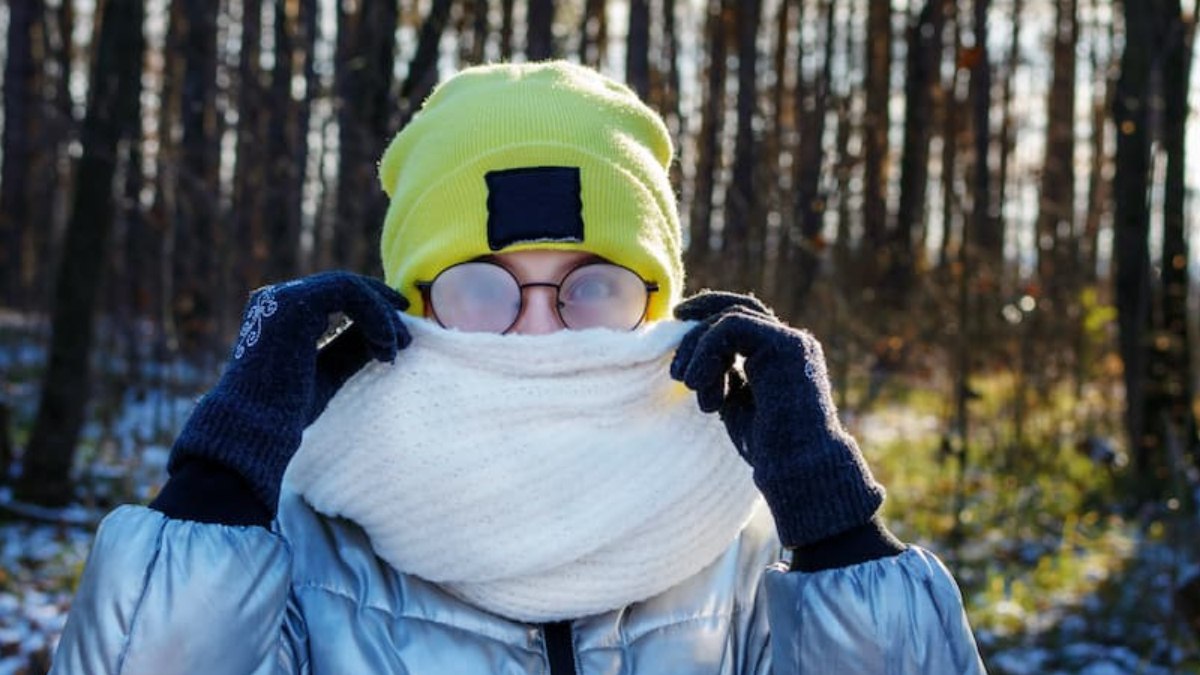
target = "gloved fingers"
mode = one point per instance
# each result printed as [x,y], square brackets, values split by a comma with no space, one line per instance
[738,412]
[399,303]
[687,346]
[337,362]
[389,294]
[711,395]
[378,319]
[734,333]
[708,304]
[703,363]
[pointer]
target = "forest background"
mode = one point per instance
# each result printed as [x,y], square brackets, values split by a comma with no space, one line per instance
[983,209]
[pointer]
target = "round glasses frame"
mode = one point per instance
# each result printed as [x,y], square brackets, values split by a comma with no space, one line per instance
[426,287]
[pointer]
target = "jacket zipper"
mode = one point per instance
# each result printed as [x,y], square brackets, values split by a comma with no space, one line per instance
[560,647]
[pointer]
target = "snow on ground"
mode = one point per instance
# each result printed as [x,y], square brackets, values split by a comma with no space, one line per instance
[37,562]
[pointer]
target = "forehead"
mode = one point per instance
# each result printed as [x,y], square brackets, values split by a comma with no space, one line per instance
[541,262]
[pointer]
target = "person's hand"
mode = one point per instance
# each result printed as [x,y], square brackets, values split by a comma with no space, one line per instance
[276,381]
[779,412]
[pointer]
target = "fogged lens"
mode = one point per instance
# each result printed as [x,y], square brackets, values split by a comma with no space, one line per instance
[476,297]
[601,295]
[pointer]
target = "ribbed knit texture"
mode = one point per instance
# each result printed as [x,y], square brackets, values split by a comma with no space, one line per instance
[780,414]
[251,422]
[511,116]
[538,477]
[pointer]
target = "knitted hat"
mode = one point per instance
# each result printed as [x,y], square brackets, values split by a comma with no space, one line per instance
[546,155]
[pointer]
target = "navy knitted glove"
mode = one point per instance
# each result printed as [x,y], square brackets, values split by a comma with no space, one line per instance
[780,415]
[276,381]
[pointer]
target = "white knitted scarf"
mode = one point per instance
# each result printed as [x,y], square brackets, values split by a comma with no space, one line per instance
[537,477]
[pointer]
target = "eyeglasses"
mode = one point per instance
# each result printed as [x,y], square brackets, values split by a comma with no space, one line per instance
[484,297]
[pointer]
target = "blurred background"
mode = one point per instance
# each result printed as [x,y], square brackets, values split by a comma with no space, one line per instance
[982,208]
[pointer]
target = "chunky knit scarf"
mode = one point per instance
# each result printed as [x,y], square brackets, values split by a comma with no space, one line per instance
[537,477]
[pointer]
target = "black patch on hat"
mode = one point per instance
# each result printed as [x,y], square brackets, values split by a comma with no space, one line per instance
[538,203]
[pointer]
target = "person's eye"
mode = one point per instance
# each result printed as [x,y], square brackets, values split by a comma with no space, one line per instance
[487,295]
[590,288]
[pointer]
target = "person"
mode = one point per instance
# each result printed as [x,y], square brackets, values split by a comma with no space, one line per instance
[526,454]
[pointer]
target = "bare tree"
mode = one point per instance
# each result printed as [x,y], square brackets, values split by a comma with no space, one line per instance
[194,218]
[1098,199]
[1006,143]
[742,238]
[812,102]
[1171,370]
[506,29]
[21,70]
[708,148]
[540,35]
[365,104]
[253,128]
[287,132]
[113,108]
[987,232]
[593,33]
[876,122]
[1056,207]
[475,51]
[1132,225]
[952,125]
[671,97]
[637,52]
[422,74]
[923,64]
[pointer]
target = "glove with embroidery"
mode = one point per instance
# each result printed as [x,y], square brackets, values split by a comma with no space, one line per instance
[780,413]
[276,382]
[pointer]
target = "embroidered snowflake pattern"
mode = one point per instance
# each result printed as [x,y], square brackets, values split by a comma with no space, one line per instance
[263,307]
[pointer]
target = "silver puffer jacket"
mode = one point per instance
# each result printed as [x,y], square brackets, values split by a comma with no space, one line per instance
[164,596]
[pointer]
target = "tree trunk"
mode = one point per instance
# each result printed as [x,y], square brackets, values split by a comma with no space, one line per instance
[951,126]
[777,129]
[1171,372]
[593,33]
[21,98]
[708,148]
[366,48]
[283,214]
[923,65]
[133,299]
[803,253]
[540,36]
[479,31]
[506,29]
[57,130]
[1131,223]
[195,217]
[1098,188]
[1056,207]
[776,194]
[637,54]
[742,241]
[422,70]
[1007,140]
[112,111]
[987,232]
[253,130]
[671,100]
[876,122]
[847,160]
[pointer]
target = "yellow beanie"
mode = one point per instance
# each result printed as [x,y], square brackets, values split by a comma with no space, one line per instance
[546,155]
